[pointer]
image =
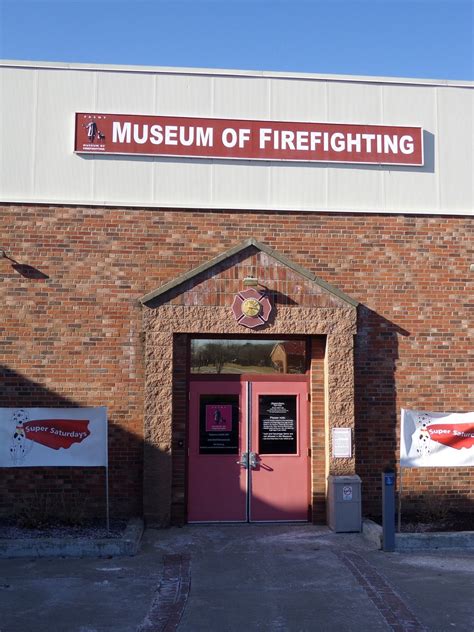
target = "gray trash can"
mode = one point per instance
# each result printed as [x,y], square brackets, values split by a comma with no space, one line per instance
[344,504]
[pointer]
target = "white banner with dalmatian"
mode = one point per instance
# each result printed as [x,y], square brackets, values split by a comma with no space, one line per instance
[436,439]
[35,437]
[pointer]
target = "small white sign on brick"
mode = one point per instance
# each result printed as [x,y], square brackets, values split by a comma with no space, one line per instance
[341,443]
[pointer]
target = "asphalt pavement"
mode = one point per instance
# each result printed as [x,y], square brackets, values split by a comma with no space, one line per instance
[226,578]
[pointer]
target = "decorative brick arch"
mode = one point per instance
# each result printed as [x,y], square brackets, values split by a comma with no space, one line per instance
[200,302]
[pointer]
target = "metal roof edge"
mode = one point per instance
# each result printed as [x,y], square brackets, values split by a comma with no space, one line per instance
[269,74]
[233,251]
[257,208]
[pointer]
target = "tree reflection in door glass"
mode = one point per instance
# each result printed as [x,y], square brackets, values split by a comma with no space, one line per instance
[248,356]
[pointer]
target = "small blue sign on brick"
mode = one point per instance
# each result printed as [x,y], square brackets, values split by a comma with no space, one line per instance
[389,479]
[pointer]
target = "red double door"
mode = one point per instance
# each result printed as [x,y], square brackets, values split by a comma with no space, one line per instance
[248,451]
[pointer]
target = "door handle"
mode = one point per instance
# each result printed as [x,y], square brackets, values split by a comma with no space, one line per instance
[253,460]
[244,460]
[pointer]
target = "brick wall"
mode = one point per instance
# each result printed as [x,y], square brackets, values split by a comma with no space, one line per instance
[70,332]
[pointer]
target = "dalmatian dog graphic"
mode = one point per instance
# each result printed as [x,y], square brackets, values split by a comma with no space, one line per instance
[20,446]
[422,437]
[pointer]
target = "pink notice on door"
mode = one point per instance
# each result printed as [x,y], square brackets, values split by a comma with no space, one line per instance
[279,452]
[217,483]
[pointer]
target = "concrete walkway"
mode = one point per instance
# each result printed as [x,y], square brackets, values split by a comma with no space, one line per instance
[255,577]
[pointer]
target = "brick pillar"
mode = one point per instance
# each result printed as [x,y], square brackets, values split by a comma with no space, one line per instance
[339,383]
[318,435]
[157,432]
[180,413]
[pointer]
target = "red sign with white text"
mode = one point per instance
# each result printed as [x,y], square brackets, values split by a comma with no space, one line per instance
[57,433]
[247,140]
[456,436]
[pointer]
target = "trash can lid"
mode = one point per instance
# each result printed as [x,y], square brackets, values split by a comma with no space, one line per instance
[344,480]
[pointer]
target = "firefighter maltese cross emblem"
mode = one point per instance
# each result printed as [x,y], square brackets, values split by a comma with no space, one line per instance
[251,308]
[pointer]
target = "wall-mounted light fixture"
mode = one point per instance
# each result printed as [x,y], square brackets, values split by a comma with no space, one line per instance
[25,270]
[250,282]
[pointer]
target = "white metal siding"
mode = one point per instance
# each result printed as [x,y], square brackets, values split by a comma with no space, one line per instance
[39,165]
